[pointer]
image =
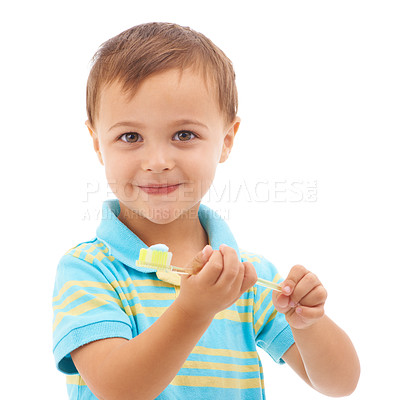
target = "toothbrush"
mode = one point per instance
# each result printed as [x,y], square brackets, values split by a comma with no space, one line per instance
[158,257]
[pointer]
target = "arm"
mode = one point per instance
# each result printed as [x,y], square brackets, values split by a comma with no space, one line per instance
[324,357]
[323,354]
[142,368]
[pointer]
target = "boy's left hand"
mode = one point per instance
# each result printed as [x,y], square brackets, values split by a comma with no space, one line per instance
[302,299]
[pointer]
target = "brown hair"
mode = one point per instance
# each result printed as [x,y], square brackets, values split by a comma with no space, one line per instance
[149,48]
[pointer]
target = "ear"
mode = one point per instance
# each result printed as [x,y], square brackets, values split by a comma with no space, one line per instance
[96,143]
[228,139]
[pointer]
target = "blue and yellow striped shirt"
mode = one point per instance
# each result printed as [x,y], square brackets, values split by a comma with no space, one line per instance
[100,293]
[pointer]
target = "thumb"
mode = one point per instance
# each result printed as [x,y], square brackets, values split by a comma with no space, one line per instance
[198,262]
[281,302]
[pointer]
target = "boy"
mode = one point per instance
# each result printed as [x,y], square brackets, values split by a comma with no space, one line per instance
[161,104]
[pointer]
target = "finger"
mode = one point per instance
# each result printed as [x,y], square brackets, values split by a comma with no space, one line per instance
[316,297]
[249,276]
[309,314]
[286,291]
[231,266]
[211,272]
[198,262]
[207,251]
[281,302]
[237,283]
[306,284]
[295,275]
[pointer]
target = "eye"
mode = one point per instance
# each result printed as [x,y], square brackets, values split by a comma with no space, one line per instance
[185,135]
[130,137]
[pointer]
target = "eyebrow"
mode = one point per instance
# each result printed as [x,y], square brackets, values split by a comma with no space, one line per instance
[177,122]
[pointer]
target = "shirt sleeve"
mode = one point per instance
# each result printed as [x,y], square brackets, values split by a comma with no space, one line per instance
[86,307]
[273,333]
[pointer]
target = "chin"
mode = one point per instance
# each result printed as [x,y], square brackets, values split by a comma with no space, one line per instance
[168,215]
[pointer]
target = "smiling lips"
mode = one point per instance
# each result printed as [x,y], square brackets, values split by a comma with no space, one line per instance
[159,189]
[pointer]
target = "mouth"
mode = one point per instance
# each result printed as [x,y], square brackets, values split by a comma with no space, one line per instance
[158,185]
[159,189]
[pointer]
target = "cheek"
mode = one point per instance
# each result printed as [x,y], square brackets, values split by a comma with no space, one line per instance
[203,166]
[117,168]
[209,153]
[119,174]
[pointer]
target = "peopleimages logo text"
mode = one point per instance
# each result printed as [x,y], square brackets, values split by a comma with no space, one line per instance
[282,191]
[219,195]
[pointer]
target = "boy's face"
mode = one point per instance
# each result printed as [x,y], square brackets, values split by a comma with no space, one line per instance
[170,133]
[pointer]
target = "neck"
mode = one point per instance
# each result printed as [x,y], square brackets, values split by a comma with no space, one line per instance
[180,235]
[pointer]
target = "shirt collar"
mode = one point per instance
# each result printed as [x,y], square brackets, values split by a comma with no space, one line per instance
[124,245]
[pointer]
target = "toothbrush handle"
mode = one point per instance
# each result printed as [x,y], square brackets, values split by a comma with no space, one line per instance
[260,281]
[180,270]
[268,284]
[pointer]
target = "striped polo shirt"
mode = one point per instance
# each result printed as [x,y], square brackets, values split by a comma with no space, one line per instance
[100,293]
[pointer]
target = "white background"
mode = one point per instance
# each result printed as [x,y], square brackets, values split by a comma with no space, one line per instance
[319,97]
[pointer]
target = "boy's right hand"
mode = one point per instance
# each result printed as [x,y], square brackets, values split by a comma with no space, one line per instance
[222,280]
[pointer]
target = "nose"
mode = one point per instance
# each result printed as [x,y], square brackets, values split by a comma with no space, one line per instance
[157,158]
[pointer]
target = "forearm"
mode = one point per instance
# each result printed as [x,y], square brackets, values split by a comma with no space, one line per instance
[329,357]
[141,368]
[144,366]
